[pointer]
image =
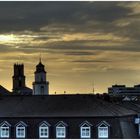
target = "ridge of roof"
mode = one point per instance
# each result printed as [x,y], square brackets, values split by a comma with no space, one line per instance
[60,106]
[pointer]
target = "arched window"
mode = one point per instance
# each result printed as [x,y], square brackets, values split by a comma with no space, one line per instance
[85,130]
[5,129]
[44,130]
[61,130]
[21,130]
[42,90]
[103,129]
[20,83]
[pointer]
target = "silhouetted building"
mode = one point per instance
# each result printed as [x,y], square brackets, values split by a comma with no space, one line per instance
[40,85]
[65,116]
[120,90]
[4,91]
[19,86]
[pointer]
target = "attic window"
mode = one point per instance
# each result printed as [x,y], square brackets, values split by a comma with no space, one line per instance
[103,130]
[5,130]
[21,130]
[139,129]
[44,130]
[61,130]
[85,129]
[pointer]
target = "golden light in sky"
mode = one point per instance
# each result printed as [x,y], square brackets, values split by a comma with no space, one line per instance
[7,38]
[81,43]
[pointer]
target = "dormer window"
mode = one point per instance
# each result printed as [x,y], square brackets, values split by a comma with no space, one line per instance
[61,130]
[5,129]
[137,121]
[21,130]
[44,130]
[103,129]
[85,130]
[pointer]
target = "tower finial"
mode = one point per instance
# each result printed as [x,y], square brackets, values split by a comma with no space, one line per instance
[40,58]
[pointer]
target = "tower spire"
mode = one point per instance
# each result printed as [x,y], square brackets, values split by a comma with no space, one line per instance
[40,58]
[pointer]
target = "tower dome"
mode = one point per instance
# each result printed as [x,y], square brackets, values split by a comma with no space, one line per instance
[40,68]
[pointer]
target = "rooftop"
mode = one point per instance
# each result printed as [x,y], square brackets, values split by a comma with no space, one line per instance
[4,91]
[60,106]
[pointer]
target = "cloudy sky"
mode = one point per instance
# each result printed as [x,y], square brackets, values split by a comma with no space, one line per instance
[81,43]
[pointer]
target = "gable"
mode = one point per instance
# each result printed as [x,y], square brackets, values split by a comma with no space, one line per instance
[86,124]
[5,124]
[103,124]
[61,124]
[44,124]
[21,124]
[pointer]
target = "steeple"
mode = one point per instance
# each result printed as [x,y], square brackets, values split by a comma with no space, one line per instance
[40,66]
[40,85]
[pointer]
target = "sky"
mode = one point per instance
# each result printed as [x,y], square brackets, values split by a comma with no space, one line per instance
[82,44]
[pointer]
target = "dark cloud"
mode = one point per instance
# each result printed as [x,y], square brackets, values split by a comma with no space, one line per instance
[80,53]
[33,15]
[92,61]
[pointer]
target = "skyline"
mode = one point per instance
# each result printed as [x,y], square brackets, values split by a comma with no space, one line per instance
[81,43]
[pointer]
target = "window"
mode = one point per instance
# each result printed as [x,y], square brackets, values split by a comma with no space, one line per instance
[5,130]
[44,130]
[21,130]
[139,129]
[85,132]
[20,83]
[61,130]
[103,130]
[85,129]
[42,90]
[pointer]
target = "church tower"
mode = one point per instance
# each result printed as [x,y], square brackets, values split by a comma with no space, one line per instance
[40,86]
[19,85]
[18,78]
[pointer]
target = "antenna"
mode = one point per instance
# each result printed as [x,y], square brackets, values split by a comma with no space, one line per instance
[93,88]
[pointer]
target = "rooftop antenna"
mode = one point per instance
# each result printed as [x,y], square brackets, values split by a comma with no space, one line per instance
[93,88]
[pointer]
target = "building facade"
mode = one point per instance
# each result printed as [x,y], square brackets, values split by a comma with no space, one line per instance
[123,90]
[66,116]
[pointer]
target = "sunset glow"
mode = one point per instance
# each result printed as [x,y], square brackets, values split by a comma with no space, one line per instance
[7,38]
[81,43]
